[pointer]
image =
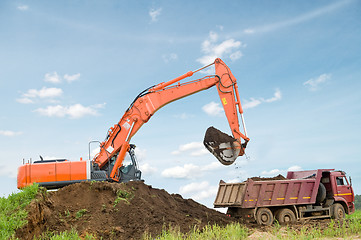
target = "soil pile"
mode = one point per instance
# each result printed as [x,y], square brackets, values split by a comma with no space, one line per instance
[115,211]
[278,177]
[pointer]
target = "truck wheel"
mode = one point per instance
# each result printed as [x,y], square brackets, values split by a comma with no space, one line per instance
[337,211]
[321,193]
[264,217]
[285,216]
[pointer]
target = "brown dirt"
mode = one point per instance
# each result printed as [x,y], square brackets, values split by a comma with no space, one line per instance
[91,207]
[213,134]
[278,177]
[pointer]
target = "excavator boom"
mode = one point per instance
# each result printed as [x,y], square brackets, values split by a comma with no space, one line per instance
[108,163]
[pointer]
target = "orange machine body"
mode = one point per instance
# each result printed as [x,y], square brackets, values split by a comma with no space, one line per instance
[108,163]
[52,173]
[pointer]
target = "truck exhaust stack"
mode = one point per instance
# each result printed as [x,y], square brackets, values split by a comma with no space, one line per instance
[224,147]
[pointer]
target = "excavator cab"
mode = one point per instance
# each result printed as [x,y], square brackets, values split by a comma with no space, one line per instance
[224,147]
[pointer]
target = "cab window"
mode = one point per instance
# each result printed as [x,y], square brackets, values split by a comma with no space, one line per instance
[340,181]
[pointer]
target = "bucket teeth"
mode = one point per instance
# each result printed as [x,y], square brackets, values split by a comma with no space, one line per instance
[224,147]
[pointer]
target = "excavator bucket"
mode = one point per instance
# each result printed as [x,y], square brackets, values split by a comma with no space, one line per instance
[224,147]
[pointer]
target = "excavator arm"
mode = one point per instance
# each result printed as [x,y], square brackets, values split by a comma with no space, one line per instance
[108,163]
[151,100]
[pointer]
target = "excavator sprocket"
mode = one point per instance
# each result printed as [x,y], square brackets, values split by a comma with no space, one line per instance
[224,147]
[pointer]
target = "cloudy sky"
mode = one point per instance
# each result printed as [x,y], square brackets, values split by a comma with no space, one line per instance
[69,70]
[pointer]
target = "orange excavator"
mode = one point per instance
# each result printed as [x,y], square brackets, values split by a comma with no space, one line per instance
[108,164]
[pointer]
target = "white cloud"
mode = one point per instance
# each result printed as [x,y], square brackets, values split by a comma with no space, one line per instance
[193,148]
[193,187]
[212,166]
[45,92]
[210,192]
[275,172]
[234,180]
[147,169]
[52,77]
[140,153]
[236,55]
[199,152]
[254,102]
[24,100]
[23,7]
[190,146]
[249,31]
[239,174]
[272,172]
[313,84]
[199,190]
[55,78]
[169,57]
[154,14]
[251,103]
[73,111]
[213,109]
[183,116]
[189,171]
[8,133]
[71,78]
[277,96]
[295,168]
[212,49]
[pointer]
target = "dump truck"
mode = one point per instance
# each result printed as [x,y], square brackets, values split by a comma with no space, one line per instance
[312,194]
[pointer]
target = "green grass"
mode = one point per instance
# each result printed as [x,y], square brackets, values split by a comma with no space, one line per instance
[346,229]
[335,230]
[67,235]
[12,210]
[80,213]
[123,195]
[232,231]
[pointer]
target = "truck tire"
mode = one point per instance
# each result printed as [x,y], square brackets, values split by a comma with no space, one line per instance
[285,216]
[264,217]
[321,193]
[337,211]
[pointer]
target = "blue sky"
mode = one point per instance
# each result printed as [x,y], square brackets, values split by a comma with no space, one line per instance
[69,70]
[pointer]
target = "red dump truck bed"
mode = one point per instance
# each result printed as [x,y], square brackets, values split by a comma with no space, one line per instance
[298,188]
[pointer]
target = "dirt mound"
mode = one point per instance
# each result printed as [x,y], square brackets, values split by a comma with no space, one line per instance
[278,177]
[115,211]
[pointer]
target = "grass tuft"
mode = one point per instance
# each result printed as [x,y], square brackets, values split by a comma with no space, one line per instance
[67,235]
[12,210]
[123,195]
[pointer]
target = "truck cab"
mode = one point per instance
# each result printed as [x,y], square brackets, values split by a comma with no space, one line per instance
[342,190]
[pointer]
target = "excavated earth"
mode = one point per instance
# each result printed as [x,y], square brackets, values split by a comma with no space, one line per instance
[278,177]
[115,211]
[127,211]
